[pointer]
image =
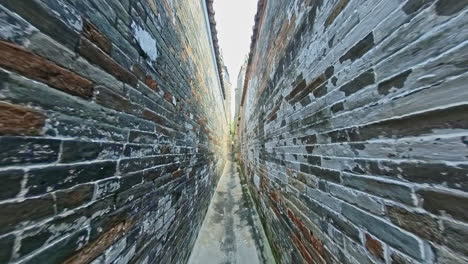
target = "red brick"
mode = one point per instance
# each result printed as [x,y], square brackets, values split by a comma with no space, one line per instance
[168,97]
[291,215]
[104,241]
[72,198]
[317,244]
[91,32]
[30,65]
[150,115]
[111,99]
[374,247]
[96,56]
[19,120]
[274,196]
[423,225]
[276,211]
[25,211]
[302,249]
[177,173]
[151,83]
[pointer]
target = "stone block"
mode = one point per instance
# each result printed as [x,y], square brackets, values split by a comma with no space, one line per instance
[45,20]
[388,233]
[77,196]
[42,180]
[6,244]
[96,56]
[423,225]
[20,120]
[63,250]
[17,150]
[456,236]
[76,151]
[18,213]
[17,59]
[445,203]
[11,183]
[390,190]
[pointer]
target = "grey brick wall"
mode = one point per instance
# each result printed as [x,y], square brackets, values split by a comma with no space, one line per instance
[354,130]
[112,130]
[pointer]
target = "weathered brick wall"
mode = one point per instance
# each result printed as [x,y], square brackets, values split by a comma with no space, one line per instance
[112,130]
[355,130]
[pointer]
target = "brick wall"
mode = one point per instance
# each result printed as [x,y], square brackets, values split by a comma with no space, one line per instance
[112,129]
[354,130]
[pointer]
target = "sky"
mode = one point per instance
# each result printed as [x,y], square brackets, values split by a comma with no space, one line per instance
[234,23]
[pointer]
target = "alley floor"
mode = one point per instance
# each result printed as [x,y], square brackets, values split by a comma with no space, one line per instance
[231,232]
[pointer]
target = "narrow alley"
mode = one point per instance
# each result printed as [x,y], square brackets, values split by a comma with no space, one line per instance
[231,232]
[233,131]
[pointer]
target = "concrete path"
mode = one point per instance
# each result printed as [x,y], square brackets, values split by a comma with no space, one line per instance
[231,232]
